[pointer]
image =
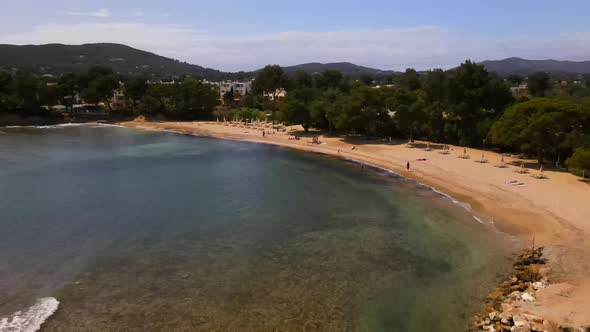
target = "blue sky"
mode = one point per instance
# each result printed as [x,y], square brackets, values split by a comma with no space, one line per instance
[244,35]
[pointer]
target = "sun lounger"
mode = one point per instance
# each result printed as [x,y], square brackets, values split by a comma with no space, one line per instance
[539,176]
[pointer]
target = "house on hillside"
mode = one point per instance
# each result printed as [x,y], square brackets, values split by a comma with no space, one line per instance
[243,88]
[119,100]
[520,91]
[277,94]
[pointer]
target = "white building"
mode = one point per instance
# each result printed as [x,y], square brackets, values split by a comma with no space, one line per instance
[243,88]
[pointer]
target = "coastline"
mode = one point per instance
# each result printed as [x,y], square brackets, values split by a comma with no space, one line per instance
[550,210]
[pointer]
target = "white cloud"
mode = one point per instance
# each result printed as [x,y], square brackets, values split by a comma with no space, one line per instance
[420,47]
[102,13]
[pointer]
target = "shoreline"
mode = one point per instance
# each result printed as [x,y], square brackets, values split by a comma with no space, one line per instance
[554,216]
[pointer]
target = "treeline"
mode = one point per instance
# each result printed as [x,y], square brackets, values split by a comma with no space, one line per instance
[28,94]
[466,106]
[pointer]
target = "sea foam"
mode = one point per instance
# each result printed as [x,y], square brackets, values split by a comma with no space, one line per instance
[30,320]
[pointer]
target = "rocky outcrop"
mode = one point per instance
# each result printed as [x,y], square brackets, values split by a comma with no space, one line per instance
[501,313]
[503,308]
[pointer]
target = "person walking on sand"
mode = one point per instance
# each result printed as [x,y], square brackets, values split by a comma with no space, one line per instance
[408,166]
[263,133]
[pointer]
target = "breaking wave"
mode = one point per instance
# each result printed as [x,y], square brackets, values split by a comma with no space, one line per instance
[32,319]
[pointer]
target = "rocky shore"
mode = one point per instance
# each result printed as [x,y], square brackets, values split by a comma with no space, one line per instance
[503,310]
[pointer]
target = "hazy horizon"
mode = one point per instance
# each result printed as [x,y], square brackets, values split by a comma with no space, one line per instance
[388,35]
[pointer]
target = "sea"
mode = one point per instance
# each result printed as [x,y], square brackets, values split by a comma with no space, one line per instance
[105,228]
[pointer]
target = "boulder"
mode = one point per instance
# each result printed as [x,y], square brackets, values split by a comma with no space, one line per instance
[520,321]
[527,297]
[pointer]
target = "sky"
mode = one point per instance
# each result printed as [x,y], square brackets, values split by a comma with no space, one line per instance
[248,34]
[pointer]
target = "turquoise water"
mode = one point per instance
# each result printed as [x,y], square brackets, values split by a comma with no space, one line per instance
[149,231]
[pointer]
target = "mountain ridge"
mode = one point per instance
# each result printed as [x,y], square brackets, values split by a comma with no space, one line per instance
[520,66]
[57,59]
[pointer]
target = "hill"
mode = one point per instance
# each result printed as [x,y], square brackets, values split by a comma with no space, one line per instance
[346,68]
[57,59]
[524,67]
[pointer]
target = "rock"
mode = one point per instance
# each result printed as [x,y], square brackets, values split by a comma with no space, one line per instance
[537,327]
[539,285]
[505,318]
[514,295]
[520,329]
[527,297]
[520,321]
[495,295]
[507,308]
[492,315]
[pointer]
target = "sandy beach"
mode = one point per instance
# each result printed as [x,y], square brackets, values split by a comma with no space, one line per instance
[555,211]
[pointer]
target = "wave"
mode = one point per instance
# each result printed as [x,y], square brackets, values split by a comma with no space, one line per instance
[65,125]
[32,319]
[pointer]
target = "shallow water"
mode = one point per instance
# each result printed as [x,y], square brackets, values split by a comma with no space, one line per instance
[146,231]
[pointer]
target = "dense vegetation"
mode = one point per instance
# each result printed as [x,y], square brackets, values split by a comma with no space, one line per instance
[29,94]
[466,106]
[57,59]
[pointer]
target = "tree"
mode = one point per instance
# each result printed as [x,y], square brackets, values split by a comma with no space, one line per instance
[437,98]
[270,80]
[409,111]
[99,84]
[8,100]
[135,89]
[302,80]
[68,85]
[475,96]
[410,79]
[194,100]
[326,111]
[299,104]
[537,126]
[329,79]
[27,90]
[539,83]
[364,111]
[366,79]
[228,98]
[580,159]
[515,79]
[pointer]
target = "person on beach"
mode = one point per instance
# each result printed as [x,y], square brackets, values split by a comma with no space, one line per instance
[263,133]
[408,166]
